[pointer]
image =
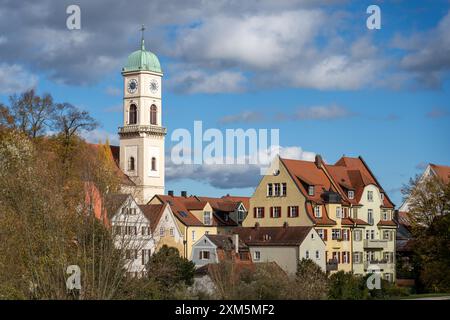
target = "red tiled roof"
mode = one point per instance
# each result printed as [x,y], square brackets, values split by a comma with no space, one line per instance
[244,200]
[404,219]
[324,220]
[388,223]
[354,174]
[272,236]
[443,172]
[153,213]
[307,173]
[177,204]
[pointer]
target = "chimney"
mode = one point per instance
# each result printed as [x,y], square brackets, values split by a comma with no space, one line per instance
[318,161]
[184,194]
[236,242]
[170,193]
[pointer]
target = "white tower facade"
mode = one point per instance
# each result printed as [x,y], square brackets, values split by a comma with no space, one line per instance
[142,134]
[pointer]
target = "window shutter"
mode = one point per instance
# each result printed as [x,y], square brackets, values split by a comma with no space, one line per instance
[254,212]
[200,255]
[262,214]
[325,234]
[271,212]
[279,208]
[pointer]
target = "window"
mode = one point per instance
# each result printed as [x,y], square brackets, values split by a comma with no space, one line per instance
[145,255]
[283,189]
[131,254]
[346,235]
[293,211]
[269,190]
[317,212]
[338,212]
[172,233]
[345,257]
[153,114]
[311,190]
[382,196]
[117,230]
[335,256]
[275,212]
[370,256]
[259,212]
[153,164]
[385,215]
[131,230]
[162,231]
[307,254]
[133,114]
[370,196]
[317,254]
[131,164]
[388,277]
[257,256]
[276,189]
[193,235]
[241,213]
[320,232]
[207,218]
[357,257]
[351,194]
[204,255]
[312,236]
[357,235]
[336,234]
[387,235]
[370,216]
[145,231]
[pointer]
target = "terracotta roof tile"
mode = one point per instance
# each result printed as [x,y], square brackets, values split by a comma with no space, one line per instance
[273,236]
[442,172]
[153,213]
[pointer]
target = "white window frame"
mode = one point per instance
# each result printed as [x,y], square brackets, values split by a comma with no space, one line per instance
[370,216]
[162,232]
[370,196]
[270,190]
[202,253]
[290,211]
[278,210]
[318,212]
[307,254]
[351,194]
[276,189]
[257,256]
[259,212]
[207,218]
[311,190]
[321,233]
[339,212]
[284,189]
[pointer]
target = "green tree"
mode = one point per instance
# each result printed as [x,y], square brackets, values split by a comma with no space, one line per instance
[347,286]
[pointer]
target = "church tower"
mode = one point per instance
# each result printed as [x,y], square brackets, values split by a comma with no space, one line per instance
[142,134]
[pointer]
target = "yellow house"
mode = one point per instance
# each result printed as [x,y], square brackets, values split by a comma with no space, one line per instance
[328,197]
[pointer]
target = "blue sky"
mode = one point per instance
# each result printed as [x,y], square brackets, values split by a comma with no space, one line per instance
[312,70]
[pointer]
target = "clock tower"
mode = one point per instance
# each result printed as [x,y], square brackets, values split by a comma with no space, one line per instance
[142,134]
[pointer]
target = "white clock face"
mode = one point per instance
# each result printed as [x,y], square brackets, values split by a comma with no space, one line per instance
[154,86]
[132,86]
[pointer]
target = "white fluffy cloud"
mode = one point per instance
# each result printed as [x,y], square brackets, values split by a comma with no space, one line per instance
[226,176]
[14,78]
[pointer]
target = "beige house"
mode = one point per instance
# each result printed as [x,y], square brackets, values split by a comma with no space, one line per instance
[284,245]
[345,204]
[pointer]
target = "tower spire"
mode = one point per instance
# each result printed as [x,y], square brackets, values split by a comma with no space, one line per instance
[142,37]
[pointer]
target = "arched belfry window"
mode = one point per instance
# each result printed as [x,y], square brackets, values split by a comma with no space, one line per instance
[131,164]
[153,164]
[133,114]
[153,114]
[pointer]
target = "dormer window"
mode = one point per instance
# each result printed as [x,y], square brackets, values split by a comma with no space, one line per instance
[317,212]
[311,190]
[351,194]
[382,196]
[153,115]
[207,218]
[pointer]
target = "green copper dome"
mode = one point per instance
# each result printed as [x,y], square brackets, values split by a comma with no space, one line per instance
[142,60]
